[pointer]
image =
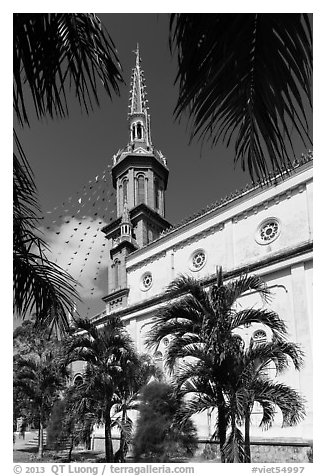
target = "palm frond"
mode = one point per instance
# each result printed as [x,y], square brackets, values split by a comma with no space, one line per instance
[281,353]
[54,52]
[247,78]
[233,449]
[40,285]
[263,316]
[244,283]
[288,400]
[197,404]
[268,413]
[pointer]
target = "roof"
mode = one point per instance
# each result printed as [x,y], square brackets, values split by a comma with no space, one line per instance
[272,180]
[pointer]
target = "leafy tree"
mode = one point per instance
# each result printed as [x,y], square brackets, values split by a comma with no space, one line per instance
[53,53]
[157,435]
[202,323]
[104,349]
[245,77]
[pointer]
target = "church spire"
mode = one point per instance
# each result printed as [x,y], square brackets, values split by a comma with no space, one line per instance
[139,119]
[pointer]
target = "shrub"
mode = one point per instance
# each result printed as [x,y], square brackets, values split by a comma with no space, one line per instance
[158,437]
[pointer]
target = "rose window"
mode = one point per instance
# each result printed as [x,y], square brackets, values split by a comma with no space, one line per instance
[147,281]
[198,260]
[268,231]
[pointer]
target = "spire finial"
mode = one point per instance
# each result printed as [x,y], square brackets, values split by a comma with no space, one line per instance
[139,119]
[138,59]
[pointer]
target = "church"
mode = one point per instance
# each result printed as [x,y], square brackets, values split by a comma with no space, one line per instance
[264,229]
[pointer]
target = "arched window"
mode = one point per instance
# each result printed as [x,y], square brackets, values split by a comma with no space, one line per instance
[116,273]
[141,189]
[157,194]
[124,191]
[139,131]
[259,337]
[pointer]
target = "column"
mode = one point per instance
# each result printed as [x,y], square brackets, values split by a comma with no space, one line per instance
[304,338]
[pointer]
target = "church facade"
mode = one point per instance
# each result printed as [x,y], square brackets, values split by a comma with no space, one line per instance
[264,229]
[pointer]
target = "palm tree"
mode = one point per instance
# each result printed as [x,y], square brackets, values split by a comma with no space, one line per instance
[104,349]
[138,370]
[254,384]
[202,324]
[53,53]
[249,383]
[40,380]
[245,78]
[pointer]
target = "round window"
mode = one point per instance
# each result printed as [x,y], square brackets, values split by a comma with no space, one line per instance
[198,260]
[268,231]
[146,281]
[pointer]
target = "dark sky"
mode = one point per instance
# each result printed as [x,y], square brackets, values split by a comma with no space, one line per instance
[66,154]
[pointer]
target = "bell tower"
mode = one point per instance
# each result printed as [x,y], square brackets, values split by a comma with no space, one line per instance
[140,177]
[140,172]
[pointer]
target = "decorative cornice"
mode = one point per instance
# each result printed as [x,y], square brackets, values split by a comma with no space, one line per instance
[116,294]
[147,261]
[123,243]
[141,209]
[180,245]
[268,203]
[273,179]
[198,236]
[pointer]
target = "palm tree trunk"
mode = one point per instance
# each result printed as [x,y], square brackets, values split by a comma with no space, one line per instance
[222,430]
[71,447]
[122,436]
[40,439]
[108,438]
[247,438]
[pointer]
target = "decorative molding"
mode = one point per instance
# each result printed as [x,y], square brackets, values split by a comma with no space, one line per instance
[147,261]
[268,203]
[230,274]
[178,246]
[198,236]
[120,293]
[273,179]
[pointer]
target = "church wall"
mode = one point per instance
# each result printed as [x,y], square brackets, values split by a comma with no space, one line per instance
[228,238]
[292,214]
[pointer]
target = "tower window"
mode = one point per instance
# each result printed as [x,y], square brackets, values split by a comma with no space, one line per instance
[139,131]
[157,195]
[124,191]
[141,189]
[116,274]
